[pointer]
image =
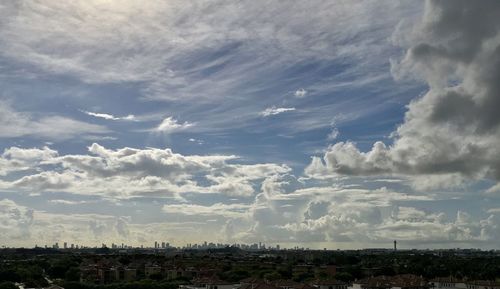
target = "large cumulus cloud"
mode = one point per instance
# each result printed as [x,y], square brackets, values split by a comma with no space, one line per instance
[130,172]
[453,130]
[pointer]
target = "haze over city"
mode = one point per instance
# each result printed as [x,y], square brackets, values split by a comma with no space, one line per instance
[317,124]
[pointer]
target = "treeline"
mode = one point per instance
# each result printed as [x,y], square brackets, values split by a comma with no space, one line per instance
[349,266]
[30,274]
[431,266]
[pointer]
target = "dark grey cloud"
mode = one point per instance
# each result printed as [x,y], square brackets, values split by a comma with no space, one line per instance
[454,129]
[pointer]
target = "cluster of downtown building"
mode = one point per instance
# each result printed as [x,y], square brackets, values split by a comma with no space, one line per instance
[167,245]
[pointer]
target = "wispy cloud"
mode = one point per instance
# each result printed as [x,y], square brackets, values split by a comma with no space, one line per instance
[180,60]
[226,210]
[109,116]
[275,110]
[55,127]
[68,202]
[333,134]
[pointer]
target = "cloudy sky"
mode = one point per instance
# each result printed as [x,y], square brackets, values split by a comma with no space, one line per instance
[337,124]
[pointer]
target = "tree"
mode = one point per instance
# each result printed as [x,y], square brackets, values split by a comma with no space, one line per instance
[8,285]
[72,274]
[9,275]
[272,276]
[156,276]
[344,276]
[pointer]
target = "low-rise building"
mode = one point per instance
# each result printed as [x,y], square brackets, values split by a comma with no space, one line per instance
[286,284]
[406,281]
[481,284]
[261,285]
[152,270]
[447,283]
[209,283]
[129,274]
[329,284]
[108,275]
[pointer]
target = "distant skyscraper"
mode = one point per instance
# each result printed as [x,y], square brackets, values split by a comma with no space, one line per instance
[395,245]
[65,245]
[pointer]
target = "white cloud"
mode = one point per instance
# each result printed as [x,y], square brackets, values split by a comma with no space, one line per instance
[170,125]
[308,215]
[109,116]
[67,202]
[270,111]
[130,172]
[300,93]
[16,220]
[29,155]
[353,222]
[198,141]
[363,217]
[219,209]
[16,159]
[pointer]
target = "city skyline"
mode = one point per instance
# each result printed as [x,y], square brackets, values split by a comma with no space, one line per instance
[317,124]
[204,245]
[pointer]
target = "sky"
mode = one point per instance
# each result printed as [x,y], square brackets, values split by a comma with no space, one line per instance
[323,124]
